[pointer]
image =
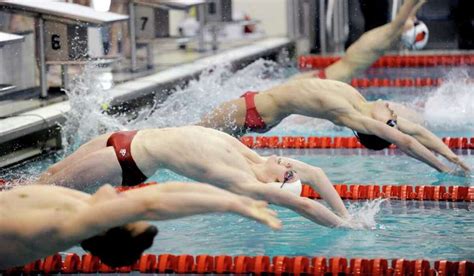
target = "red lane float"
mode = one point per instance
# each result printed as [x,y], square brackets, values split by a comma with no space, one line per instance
[258,265]
[204,264]
[89,264]
[403,192]
[359,267]
[146,264]
[370,192]
[311,61]
[223,264]
[31,268]
[52,264]
[338,142]
[396,82]
[166,263]
[378,267]
[242,264]
[71,263]
[299,265]
[279,265]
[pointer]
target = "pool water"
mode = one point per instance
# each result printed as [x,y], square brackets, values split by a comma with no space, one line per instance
[404,230]
[401,229]
[363,166]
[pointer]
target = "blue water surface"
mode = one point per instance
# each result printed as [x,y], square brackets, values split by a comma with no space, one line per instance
[404,230]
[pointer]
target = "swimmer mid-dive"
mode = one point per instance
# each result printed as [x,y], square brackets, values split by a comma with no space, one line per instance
[39,220]
[202,154]
[375,43]
[377,124]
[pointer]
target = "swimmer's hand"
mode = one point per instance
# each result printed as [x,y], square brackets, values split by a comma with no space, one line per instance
[259,211]
[353,223]
[461,168]
[459,171]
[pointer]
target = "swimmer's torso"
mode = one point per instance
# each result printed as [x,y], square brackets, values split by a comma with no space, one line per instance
[193,151]
[324,99]
[48,208]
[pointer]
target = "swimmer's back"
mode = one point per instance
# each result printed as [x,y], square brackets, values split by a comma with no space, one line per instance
[185,148]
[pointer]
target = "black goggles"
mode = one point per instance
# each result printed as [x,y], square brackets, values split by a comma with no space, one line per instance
[287,177]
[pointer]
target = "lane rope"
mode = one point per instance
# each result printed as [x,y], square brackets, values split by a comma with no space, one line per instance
[368,191]
[394,61]
[371,192]
[326,142]
[257,265]
[396,82]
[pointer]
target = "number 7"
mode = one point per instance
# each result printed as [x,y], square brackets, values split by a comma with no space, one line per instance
[144,20]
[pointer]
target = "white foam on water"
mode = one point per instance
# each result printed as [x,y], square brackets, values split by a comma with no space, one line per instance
[451,106]
[185,106]
[87,118]
[363,214]
[214,86]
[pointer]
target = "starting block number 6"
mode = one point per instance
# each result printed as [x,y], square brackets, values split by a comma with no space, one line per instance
[55,42]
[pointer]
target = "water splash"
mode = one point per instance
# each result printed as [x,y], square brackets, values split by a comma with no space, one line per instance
[87,118]
[447,108]
[186,105]
[451,106]
[363,214]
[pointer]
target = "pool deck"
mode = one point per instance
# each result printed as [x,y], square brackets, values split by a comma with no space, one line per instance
[44,120]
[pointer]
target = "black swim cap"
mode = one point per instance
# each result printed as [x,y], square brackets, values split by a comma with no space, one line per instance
[117,247]
[374,142]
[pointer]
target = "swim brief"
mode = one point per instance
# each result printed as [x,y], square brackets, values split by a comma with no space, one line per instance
[253,120]
[121,142]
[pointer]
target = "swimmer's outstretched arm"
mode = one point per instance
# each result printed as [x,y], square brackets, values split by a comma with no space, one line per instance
[404,142]
[431,141]
[318,180]
[306,207]
[370,46]
[149,203]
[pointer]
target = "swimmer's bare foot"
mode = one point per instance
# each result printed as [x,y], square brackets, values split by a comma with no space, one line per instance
[259,211]
[407,13]
[410,23]
[415,9]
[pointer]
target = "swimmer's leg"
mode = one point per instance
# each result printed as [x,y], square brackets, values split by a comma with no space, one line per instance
[407,10]
[372,45]
[93,145]
[98,167]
